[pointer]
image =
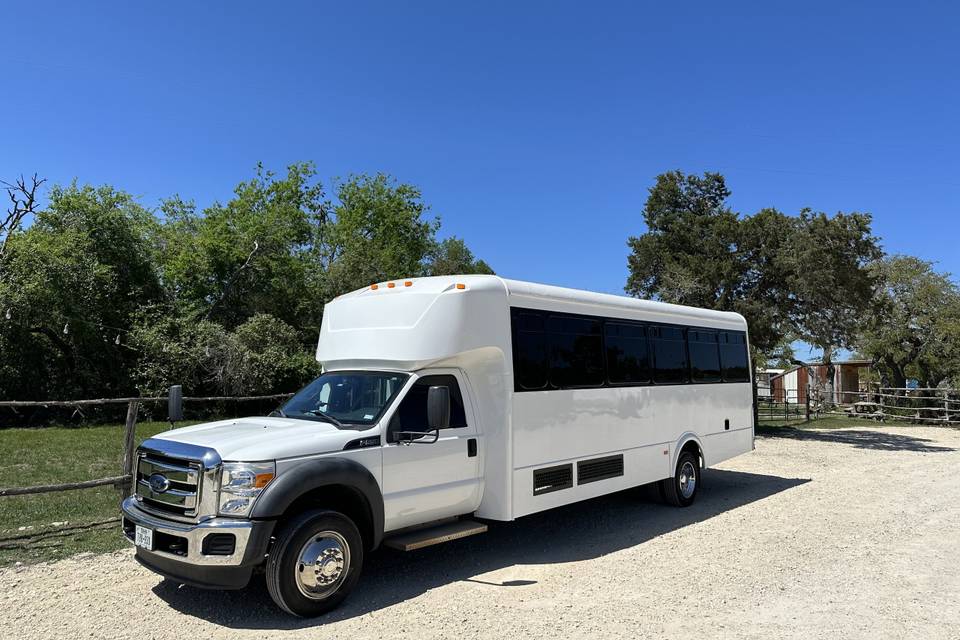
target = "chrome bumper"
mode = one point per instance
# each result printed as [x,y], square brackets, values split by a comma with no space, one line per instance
[193,534]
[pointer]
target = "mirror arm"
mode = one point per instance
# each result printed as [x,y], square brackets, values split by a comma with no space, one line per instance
[407,438]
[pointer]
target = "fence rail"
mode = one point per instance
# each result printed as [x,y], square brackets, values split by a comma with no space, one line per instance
[124,481]
[918,405]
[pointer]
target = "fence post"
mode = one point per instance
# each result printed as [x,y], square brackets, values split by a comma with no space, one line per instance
[129,448]
[880,403]
[806,404]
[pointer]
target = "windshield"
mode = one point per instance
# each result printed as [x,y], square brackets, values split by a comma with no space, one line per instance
[345,398]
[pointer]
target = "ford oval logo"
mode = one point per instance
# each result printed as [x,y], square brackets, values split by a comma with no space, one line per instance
[158,483]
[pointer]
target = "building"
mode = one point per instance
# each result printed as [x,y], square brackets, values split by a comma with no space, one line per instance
[793,385]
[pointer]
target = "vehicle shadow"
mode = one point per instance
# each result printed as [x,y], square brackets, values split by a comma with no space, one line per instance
[586,530]
[860,438]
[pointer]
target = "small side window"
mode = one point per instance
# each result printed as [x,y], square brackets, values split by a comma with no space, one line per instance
[411,415]
[733,357]
[628,360]
[669,355]
[704,355]
[529,351]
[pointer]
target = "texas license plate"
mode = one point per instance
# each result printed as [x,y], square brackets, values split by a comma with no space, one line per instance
[144,538]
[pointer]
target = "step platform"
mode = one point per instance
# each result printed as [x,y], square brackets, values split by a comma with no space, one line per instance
[428,536]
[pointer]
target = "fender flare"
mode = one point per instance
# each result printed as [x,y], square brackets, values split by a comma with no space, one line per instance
[681,442]
[316,474]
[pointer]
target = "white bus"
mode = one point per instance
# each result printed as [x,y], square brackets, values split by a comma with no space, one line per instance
[444,400]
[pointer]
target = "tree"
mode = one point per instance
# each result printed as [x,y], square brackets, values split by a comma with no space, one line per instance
[830,281]
[253,254]
[697,251]
[453,257]
[71,284]
[377,232]
[23,197]
[911,329]
[263,355]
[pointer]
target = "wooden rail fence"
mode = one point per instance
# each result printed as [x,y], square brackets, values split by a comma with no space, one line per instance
[124,481]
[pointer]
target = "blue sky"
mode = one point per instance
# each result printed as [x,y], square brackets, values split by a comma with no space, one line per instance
[534,129]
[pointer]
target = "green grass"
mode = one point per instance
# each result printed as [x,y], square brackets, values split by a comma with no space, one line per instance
[53,455]
[827,422]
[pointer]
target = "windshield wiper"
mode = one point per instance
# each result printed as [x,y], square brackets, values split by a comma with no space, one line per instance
[277,412]
[323,416]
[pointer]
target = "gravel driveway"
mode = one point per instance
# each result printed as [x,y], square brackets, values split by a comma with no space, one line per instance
[850,533]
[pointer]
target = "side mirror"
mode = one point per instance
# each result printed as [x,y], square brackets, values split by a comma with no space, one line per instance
[175,403]
[438,407]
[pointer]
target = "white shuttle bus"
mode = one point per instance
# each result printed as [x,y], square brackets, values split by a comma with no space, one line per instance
[444,402]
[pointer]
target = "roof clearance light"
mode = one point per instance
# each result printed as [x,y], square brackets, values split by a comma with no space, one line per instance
[390,285]
[374,286]
[407,283]
[460,285]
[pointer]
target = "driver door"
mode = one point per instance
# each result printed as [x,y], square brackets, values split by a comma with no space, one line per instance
[425,480]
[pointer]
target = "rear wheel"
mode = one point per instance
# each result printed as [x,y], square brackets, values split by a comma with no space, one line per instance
[681,489]
[315,563]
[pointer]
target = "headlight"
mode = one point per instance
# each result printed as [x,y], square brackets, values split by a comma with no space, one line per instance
[241,483]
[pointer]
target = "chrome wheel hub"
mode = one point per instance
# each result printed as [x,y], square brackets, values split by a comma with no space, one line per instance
[322,565]
[688,479]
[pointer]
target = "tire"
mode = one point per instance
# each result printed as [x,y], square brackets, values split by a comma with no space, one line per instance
[328,542]
[678,490]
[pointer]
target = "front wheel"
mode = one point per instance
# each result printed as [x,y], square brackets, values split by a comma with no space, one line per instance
[315,563]
[681,489]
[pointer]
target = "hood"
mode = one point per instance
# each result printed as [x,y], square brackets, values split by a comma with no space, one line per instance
[253,439]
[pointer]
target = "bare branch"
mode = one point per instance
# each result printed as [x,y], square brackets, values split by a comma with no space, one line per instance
[23,198]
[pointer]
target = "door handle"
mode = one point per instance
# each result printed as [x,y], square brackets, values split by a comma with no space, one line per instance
[472,448]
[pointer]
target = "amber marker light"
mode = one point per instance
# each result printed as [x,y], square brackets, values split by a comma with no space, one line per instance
[390,285]
[460,285]
[262,479]
[407,283]
[374,286]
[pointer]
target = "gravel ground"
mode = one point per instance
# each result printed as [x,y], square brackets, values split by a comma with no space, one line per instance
[851,533]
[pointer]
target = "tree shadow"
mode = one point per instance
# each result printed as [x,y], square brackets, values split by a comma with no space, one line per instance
[581,531]
[859,438]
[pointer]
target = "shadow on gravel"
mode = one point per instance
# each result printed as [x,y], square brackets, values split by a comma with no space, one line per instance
[862,439]
[582,531]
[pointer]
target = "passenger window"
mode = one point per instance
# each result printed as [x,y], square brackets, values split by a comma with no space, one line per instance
[733,357]
[576,352]
[411,415]
[529,351]
[628,359]
[669,355]
[704,355]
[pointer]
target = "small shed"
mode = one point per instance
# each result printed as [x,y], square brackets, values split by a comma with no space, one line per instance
[793,385]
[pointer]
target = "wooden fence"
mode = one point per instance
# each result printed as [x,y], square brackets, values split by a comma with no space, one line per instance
[124,481]
[924,405]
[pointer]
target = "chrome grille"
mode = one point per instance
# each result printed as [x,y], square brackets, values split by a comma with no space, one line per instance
[178,494]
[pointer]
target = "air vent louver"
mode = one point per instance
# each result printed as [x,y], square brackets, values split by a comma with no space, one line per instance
[552,479]
[599,469]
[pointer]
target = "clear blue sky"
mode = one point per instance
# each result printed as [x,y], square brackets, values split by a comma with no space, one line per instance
[534,129]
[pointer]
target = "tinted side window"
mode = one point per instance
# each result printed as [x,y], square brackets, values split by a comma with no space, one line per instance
[733,357]
[628,359]
[704,355]
[576,352]
[411,415]
[669,354]
[529,350]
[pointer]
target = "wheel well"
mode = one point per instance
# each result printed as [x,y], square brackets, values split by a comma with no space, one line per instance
[337,497]
[694,448]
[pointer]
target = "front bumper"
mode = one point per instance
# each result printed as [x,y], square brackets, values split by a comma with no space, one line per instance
[183,553]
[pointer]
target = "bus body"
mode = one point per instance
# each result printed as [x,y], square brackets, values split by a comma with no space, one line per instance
[444,398]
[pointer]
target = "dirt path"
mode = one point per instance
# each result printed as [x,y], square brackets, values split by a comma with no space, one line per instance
[850,533]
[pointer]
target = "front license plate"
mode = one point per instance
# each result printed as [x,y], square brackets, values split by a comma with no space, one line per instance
[144,538]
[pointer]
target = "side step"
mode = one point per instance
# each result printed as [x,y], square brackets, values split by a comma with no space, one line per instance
[410,540]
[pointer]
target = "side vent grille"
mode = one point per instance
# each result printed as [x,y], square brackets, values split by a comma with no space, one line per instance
[552,479]
[599,469]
